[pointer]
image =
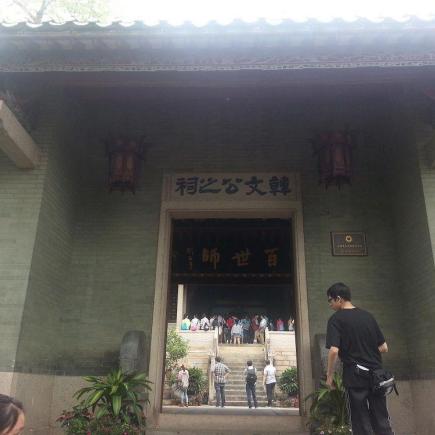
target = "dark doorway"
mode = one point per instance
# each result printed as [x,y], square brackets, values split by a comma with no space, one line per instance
[233,266]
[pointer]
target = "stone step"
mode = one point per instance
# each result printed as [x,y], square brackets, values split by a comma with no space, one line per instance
[239,363]
[241,377]
[241,380]
[244,403]
[239,397]
[235,389]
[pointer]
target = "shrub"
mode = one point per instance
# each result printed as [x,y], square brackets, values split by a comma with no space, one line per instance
[328,412]
[288,381]
[197,384]
[176,349]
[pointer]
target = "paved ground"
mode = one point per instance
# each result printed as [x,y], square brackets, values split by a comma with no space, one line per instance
[230,410]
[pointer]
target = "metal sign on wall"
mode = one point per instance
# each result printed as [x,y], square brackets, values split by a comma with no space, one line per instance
[232,186]
[350,243]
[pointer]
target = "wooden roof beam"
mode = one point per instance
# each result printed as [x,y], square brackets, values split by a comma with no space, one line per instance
[16,143]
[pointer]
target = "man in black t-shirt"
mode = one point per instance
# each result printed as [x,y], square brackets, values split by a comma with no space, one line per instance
[354,335]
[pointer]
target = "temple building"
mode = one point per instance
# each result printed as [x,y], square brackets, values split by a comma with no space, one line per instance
[151,170]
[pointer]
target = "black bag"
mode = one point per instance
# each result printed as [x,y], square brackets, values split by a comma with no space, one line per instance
[383,382]
[251,377]
[206,327]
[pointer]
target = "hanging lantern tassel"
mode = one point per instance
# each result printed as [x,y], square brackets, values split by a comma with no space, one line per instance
[334,157]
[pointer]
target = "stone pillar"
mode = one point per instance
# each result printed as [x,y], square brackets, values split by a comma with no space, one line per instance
[181,305]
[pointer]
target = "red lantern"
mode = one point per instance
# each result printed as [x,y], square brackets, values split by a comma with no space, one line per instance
[125,156]
[334,157]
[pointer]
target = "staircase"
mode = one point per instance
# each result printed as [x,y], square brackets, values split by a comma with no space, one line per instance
[235,358]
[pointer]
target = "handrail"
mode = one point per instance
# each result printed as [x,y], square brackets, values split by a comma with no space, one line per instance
[213,355]
[268,354]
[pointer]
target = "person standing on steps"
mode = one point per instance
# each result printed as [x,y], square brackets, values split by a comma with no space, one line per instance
[251,379]
[269,380]
[220,372]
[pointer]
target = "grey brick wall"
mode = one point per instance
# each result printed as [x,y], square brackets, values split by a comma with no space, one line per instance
[419,288]
[20,201]
[111,280]
[41,331]
[93,270]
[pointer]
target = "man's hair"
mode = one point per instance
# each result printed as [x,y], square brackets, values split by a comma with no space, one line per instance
[10,410]
[218,359]
[267,362]
[249,362]
[339,290]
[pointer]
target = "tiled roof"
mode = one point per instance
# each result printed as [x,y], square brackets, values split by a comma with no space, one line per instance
[287,25]
[240,45]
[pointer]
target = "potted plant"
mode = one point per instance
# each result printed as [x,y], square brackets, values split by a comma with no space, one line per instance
[288,384]
[197,385]
[328,411]
[112,404]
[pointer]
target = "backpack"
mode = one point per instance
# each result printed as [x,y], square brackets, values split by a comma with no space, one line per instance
[251,377]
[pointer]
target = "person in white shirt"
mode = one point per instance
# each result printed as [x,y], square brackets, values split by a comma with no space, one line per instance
[204,324]
[269,379]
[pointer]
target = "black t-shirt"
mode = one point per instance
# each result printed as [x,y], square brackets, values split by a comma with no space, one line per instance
[357,335]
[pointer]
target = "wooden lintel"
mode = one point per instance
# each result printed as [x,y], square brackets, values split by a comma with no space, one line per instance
[16,143]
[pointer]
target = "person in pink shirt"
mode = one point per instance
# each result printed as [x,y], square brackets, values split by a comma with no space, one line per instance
[279,324]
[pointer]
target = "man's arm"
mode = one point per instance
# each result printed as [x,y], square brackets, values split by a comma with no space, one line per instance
[383,348]
[332,359]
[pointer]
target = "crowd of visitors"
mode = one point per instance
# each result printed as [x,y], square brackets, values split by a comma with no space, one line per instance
[237,330]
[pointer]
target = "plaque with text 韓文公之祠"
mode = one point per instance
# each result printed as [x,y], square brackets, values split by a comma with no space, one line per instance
[231,186]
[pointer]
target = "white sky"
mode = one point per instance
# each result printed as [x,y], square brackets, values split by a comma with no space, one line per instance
[224,11]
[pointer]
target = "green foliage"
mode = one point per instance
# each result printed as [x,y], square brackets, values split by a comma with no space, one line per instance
[106,425]
[76,421]
[176,348]
[328,412]
[115,395]
[111,404]
[197,382]
[37,11]
[288,381]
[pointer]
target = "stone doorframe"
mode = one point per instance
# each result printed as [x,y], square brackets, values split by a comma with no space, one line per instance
[225,209]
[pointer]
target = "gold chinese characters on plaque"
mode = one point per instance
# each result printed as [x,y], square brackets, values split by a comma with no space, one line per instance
[352,243]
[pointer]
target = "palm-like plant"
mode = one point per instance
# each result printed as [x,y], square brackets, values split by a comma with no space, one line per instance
[117,395]
[329,410]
